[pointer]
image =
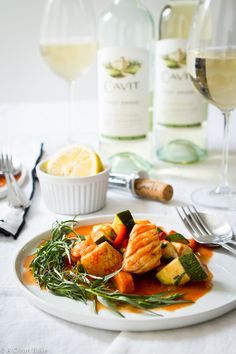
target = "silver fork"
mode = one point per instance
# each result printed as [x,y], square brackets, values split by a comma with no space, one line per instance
[16,197]
[203,232]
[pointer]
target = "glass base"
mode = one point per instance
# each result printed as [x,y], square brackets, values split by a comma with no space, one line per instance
[181,152]
[127,162]
[218,199]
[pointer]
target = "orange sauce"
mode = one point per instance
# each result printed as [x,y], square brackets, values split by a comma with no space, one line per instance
[28,260]
[3,179]
[145,284]
[87,229]
[27,275]
[204,253]
[82,230]
[28,278]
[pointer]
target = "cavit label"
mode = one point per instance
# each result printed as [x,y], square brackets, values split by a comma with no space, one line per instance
[123,92]
[176,100]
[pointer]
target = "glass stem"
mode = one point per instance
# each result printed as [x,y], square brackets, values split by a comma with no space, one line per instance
[71,110]
[224,186]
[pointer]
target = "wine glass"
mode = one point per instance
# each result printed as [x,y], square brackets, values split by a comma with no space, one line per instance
[68,44]
[211,63]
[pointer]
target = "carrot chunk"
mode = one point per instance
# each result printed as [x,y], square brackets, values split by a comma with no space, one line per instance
[124,282]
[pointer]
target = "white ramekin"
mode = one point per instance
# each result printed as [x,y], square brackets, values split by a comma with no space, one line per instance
[73,195]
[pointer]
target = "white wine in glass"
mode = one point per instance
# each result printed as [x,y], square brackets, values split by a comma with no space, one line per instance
[68,60]
[211,62]
[68,45]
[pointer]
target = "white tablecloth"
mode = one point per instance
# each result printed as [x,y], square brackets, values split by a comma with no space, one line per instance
[24,328]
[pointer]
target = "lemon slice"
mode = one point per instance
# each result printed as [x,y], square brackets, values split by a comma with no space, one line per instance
[75,160]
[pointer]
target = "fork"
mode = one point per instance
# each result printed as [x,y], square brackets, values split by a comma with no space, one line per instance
[16,197]
[201,231]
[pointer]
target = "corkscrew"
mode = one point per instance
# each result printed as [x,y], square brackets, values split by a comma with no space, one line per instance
[140,185]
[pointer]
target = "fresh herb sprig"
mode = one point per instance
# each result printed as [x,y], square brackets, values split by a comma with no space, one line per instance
[50,270]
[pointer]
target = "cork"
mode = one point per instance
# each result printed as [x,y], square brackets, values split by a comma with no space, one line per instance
[152,189]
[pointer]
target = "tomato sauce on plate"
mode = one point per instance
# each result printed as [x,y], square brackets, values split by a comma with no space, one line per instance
[145,284]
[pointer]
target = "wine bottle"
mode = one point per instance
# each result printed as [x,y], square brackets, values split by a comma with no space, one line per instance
[179,111]
[126,38]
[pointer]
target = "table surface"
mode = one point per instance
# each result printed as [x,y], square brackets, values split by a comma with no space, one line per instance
[24,327]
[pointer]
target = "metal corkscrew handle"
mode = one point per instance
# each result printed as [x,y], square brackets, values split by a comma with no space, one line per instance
[125,182]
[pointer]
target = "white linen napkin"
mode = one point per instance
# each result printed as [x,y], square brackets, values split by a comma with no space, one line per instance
[212,337]
[12,219]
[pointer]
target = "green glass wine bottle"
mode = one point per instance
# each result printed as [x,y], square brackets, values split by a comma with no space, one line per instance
[126,38]
[180,113]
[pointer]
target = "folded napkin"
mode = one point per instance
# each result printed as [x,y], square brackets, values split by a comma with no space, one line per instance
[212,337]
[13,219]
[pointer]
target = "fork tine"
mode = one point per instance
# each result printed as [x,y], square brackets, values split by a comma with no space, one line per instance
[7,159]
[2,160]
[16,196]
[7,163]
[195,221]
[10,161]
[185,220]
[196,230]
[201,221]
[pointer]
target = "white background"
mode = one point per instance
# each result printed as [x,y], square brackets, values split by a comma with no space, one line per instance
[25,77]
[23,74]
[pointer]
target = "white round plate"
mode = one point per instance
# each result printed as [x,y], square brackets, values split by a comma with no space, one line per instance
[21,180]
[221,299]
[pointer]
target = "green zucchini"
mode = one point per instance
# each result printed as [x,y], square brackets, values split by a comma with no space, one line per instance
[183,269]
[173,274]
[168,251]
[193,267]
[102,239]
[125,218]
[177,238]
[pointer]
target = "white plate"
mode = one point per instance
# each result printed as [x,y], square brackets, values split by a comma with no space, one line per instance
[21,180]
[221,299]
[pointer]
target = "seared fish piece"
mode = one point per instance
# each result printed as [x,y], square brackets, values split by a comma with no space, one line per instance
[82,247]
[143,252]
[103,260]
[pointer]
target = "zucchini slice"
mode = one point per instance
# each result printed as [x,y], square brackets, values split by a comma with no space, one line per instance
[177,238]
[173,274]
[193,267]
[103,238]
[168,251]
[183,269]
[125,218]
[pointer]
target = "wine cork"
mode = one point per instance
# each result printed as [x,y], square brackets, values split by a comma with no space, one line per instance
[152,189]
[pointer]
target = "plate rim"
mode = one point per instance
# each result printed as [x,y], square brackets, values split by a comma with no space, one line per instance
[122,323]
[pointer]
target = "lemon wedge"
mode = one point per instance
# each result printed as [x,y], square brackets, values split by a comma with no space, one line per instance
[75,160]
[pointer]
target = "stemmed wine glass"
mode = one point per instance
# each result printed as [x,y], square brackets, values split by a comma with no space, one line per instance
[211,63]
[68,44]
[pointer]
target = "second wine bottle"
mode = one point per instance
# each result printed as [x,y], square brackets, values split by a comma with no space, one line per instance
[180,112]
[126,33]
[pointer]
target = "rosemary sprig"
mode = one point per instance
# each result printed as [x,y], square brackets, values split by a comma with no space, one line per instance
[49,268]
